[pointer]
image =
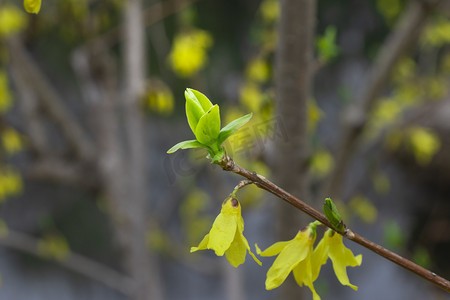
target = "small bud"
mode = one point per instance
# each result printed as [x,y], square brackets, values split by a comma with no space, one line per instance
[332,214]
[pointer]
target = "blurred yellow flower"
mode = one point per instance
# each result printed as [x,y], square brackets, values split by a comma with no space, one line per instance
[159,98]
[404,70]
[251,96]
[226,235]
[321,163]
[258,70]
[270,10]
[32,6]
[390,9]
[188,54]
[315,114]
[5,94]
[437,33]
[54,247]
[294,255]
[363,208]
[331,246]
[424,144]
[12,20]
[10,183]
[11,141]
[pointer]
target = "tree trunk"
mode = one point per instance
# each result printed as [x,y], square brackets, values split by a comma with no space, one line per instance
[293,70]
[138,260]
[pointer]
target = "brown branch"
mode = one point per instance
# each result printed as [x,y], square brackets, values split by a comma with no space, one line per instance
[403,37]
[229,165]
[75,262]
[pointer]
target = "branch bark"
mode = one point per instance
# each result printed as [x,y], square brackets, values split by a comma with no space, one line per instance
[402,39]
[229,165]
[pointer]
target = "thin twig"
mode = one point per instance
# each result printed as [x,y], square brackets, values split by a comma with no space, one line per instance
[75,262]
[229,165]
[240,185]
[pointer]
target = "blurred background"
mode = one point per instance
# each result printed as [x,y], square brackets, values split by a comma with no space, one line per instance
[350,99]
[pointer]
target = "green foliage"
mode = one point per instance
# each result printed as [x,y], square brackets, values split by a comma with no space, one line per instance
[326,45]
[204,119]
[393,235]
[422,257]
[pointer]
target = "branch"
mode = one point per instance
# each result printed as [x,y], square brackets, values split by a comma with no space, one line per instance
[155,13]
[28,106]
[75,262]
[403,37]
[229,165]
[61,171]
[29,69]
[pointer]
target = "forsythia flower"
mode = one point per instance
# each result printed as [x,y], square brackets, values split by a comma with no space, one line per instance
[32,6]
[12,20]
[294,255]
[226,235]
[189,52]
[333,247]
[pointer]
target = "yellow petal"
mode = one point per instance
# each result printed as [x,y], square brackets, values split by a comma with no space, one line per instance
[224,227]
[222,233]
[203,244]
[32,6]
[319,257]
[244,240]
[341,258]
[303,275]
[293,253]
[272,250]
[237,251]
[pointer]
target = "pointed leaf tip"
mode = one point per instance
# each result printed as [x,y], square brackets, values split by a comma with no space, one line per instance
[232,127]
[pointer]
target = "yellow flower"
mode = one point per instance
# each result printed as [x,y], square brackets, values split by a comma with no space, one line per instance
[258,70]
[12,20]
[295,256]
[189,52]
[32,6]
[333,247]
[225,236]
[424,144]
[11,141]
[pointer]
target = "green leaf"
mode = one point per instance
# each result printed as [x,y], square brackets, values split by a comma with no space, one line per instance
[201,98]
[232,127]
[186,145]
[194,111]
[197,105]
[208,127]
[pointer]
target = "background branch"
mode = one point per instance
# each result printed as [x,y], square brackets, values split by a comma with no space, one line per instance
[75,262]
[403,37]
[29,70]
